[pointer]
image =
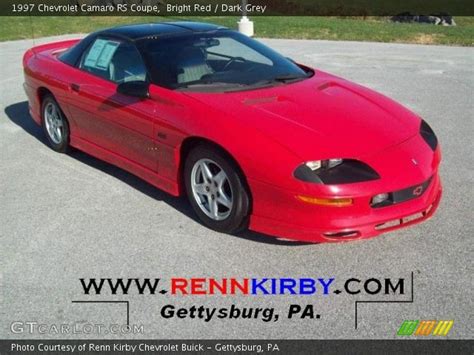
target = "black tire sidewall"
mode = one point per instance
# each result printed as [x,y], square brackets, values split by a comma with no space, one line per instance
[62,147]
[238,218]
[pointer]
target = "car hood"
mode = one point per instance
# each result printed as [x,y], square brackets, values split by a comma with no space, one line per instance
[319,118]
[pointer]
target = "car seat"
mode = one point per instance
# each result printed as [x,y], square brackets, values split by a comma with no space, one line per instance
[126,65]
[192,65]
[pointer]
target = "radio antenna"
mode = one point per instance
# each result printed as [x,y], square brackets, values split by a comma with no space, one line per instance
[32,32]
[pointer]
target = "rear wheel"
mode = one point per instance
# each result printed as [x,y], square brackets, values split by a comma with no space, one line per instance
[55,125]
[216,190]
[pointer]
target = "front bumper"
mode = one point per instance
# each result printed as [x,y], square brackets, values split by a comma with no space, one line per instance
[312,223]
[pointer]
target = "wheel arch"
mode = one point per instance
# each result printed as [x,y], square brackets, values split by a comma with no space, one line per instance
[191,142]
[42,92]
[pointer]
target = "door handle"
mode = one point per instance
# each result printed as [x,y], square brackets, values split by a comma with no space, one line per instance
[75,87]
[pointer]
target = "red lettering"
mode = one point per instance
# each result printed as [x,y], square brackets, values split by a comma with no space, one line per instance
[179,285]
[243,286]
[221,287]
[197,286]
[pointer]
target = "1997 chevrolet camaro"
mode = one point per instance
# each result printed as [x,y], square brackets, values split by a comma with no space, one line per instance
[252,138]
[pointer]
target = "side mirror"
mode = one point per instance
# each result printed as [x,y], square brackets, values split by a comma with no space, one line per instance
[134,88]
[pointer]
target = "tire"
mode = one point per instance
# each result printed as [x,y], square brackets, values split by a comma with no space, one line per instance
[204,192]
[55,125]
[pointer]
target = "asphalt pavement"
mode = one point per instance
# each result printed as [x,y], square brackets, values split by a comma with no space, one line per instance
[66,217]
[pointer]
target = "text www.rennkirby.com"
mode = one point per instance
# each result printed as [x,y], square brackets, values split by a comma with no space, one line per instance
[242,286]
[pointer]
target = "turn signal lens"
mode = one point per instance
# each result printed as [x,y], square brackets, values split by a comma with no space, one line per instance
[335,202]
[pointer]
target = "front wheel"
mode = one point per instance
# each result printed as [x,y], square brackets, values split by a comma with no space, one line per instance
[216,190]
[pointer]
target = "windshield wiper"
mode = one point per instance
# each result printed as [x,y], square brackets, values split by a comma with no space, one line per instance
[284,78]
[208,83]
[288,77]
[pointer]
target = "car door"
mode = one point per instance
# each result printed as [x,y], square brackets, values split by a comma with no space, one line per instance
[120,124]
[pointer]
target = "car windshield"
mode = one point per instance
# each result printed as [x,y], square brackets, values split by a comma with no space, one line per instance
[217,62]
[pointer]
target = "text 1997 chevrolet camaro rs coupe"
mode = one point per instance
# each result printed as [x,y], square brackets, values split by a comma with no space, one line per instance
[252,138]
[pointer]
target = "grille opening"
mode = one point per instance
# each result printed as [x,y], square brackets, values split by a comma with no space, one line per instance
[390,224]
[404,220]
[403,195]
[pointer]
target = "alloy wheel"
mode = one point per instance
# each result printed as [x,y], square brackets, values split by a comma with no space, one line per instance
[211,189]
[54,123]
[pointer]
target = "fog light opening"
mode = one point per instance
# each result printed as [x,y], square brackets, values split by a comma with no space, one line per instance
[346,234]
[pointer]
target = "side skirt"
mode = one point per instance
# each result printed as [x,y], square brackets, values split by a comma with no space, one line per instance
[142,172]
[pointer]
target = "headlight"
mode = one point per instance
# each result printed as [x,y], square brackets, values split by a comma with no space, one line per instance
[324,164]
[428,135]
[335,171]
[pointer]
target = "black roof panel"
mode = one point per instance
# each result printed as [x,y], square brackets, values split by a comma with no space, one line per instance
[197,26]
[138,31]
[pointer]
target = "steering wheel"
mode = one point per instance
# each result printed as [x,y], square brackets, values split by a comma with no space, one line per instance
[232,61]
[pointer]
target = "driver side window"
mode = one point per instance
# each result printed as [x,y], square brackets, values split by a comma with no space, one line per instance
[113,60]
[228,48]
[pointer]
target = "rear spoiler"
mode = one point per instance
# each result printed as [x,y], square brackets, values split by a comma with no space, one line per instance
[58,46]
[55,45]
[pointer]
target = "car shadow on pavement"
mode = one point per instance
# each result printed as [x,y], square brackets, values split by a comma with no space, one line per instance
[18,113]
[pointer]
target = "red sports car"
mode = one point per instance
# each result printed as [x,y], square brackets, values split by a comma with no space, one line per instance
[253,139]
